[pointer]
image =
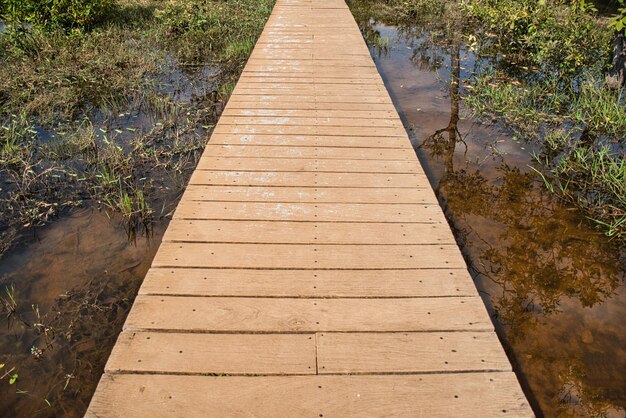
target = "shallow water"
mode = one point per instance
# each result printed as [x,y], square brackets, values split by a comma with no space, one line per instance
[81,274]
[554,286]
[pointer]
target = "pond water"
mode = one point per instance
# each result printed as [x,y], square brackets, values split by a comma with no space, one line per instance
[553,284]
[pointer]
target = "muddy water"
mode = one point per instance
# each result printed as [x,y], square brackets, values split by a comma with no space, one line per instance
[74,284]
[553,285]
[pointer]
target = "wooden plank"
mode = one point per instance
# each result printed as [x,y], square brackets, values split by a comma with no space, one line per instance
[311,212]
[309,165]
[298,256]
[320,141]
[341,153]
[302,87]
[251,80]
[175,352]
[310,130]
[307,179]
[259,72]
[307,232]
[307,315]
[309,195]
[249,103]
[346,114]
[424,352]
[310,121]
[308,283]
[447,395]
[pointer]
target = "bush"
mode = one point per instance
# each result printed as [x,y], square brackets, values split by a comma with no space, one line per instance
[548,33]
[69,15]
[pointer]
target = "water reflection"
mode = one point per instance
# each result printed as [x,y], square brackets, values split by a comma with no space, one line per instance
[554,286]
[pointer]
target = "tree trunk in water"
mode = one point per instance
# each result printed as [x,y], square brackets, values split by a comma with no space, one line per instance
[617,74]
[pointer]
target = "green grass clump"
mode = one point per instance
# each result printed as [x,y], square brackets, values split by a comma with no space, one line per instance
[595,179]
[68,15]
[224,30]
[600,109]
[394,12]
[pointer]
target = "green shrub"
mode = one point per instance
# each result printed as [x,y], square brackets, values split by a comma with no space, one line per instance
[69,15]
[546,33]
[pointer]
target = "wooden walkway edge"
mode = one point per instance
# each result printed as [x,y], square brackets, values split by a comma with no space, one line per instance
[308,270]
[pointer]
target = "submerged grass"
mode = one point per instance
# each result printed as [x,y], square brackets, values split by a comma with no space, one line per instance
[117,110]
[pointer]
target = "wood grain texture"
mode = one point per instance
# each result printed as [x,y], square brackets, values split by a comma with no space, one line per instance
[444,395]
[307,179]
[410,352]
[280,232]
[320,141]
[308,165]
[371,195]
[342,153]
[307,315]
[298,256]
[175,352]
[308,283]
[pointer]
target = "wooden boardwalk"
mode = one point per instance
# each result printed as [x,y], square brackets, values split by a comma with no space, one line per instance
[309,271]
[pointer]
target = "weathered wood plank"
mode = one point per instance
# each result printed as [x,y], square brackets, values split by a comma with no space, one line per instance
[309,195]
[307,179]
[320,141]
[308,283]
[296,256]
[310,130]
[310,212]
[307,315]
[308,165]
[175,352]
[249,103]
[307,232]
[311,121]
[447,395]
[345,114]
[423,352]
[341,153]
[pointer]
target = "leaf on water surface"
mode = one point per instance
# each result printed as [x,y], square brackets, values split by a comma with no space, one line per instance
[13,379]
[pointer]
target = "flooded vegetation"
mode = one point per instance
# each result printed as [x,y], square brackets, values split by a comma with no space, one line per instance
[104,112]
[552,279]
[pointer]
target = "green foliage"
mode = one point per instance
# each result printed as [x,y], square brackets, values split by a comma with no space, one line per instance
[618,22]
[224,29]
[546,33]
[69,15]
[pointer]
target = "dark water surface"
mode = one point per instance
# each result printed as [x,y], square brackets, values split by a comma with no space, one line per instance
[554,286]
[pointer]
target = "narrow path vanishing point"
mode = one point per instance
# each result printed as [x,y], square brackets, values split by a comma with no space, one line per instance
[309,270]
